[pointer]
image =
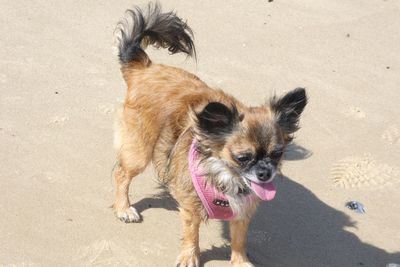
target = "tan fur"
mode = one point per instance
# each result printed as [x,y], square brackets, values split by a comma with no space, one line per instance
[166,108]
[155,114]
[238,242]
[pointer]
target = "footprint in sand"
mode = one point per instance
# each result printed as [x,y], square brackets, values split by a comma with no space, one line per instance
[92,70]
[12,99]
[19,264]
[58,120]
[3,78]
[105,253]
[392,135]
[50,177]
[362,172]
[106,108]
[354,112]
[153,249]
[100,82]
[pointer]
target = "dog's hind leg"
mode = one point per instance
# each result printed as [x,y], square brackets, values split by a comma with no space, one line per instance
[135,148]
[123,210]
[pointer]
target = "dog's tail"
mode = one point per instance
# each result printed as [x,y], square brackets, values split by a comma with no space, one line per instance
[140,29]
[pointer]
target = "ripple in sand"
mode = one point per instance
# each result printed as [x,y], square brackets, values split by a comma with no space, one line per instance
[105,253]
[392,135]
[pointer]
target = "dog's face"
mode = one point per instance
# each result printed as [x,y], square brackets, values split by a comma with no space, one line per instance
[254,150]
[248,143]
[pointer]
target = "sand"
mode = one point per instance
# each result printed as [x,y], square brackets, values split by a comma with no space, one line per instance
[60,85]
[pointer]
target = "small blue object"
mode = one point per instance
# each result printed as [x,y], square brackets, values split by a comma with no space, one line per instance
[356,206]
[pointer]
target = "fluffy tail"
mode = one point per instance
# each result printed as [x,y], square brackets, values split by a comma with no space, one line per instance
[140,29]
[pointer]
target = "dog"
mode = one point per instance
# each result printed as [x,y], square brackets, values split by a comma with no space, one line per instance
[217,156]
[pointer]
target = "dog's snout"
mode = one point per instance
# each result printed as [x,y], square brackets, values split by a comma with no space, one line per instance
[264,171]
[263,174]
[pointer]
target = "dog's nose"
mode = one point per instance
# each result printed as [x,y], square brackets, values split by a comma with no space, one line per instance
[263,174]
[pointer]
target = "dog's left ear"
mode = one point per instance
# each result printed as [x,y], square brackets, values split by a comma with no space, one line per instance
[216,119]
[288,109]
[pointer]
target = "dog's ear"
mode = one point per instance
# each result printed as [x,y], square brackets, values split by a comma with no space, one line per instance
[287,110]
[216,119]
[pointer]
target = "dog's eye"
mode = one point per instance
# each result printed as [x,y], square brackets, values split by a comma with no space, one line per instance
[276,154]
[244,158]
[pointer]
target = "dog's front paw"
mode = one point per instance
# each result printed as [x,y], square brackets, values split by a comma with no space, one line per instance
[189,258]
[240,260]
[129,215]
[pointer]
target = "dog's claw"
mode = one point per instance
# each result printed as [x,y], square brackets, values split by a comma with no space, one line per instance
[188,259]
[129,215]
[240,260]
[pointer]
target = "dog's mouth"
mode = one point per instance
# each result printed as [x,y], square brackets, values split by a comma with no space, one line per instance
[265,191]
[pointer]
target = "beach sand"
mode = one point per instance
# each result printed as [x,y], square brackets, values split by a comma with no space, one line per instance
[60,85]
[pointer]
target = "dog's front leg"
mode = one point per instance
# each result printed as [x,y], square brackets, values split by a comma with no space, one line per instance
[190,251]
[238,231]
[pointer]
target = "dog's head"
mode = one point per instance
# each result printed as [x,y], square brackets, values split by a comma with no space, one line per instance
[244,145]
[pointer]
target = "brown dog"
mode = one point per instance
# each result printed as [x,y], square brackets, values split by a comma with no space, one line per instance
[169,114]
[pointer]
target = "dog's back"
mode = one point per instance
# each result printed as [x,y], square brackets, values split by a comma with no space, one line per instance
[152,86]
[157,94]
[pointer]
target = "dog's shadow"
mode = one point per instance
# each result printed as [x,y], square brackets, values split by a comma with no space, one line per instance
[298,229]
[162,200]
[295,229]
[296,152]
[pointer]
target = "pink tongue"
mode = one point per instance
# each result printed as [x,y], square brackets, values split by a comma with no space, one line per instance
[265,191]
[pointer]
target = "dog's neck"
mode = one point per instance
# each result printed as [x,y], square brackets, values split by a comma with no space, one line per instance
[219,205]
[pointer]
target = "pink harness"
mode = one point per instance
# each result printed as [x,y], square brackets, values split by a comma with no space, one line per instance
[215,202]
